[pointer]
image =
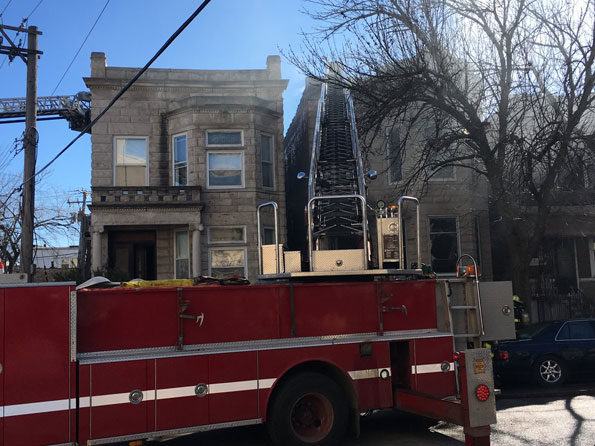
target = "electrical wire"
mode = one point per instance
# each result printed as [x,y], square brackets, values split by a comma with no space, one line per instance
[80,47]
[118,96]
[7,5]
[31,13]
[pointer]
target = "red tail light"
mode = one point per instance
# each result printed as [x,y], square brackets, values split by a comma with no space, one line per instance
[482,392]
[502,355]
[456,356]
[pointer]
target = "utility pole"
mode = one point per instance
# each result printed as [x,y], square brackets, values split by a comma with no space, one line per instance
[29,56]
[82,257]
[84,245]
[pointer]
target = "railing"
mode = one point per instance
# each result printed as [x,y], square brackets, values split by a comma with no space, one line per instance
[572,305]
[316,144]
[361,185]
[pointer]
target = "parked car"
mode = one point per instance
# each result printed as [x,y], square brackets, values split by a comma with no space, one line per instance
[548,353]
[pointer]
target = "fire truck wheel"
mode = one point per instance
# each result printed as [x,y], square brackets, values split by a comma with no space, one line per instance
[310,409]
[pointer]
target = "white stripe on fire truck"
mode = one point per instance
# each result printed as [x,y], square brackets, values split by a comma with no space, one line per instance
[430,368]
[150,395]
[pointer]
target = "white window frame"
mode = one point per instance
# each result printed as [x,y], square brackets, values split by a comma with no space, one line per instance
[173,160]
[226,242]
[272,162]
[456,217]
[229,248]
[114,157]
[243,169]
[224,131]
[176,253]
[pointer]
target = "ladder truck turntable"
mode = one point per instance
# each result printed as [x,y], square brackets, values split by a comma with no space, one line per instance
[304,352]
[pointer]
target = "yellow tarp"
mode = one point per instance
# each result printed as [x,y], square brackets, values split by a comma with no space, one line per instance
[158,283]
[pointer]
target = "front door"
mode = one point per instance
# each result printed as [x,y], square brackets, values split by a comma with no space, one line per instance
[132,255]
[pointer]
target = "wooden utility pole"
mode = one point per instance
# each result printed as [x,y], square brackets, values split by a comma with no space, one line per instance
[29,56]
[30,151]
[82,255]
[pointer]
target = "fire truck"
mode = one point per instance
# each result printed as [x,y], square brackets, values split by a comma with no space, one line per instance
[348,327]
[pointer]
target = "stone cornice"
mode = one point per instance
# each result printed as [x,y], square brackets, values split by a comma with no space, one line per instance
[184,85]
[155,206]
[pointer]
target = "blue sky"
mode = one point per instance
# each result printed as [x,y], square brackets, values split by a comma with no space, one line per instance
[229,34]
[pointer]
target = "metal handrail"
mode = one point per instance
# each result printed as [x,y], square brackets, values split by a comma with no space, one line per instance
[276,212]
[337,197]
[316,143]
[401,255]
[361,186]
[482,332]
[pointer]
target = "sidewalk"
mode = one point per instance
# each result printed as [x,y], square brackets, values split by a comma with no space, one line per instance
[534,391]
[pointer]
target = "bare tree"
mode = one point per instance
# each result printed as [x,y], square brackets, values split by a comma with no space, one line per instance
[52,220]
[502,87]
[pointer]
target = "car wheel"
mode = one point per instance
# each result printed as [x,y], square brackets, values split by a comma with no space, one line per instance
[550,371]
[310,409]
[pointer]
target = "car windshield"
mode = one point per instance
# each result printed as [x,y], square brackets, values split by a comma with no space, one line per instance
[531,331]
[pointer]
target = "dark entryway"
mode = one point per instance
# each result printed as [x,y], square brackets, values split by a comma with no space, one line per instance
[132,254]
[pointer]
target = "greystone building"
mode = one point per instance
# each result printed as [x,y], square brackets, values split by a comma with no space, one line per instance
[179,166]
[455,217]
[454,204]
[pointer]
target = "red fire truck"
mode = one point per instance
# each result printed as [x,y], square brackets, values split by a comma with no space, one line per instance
[304,352]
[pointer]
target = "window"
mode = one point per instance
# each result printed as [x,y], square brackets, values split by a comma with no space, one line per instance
[394,154]
[180,160]
[226,262]
[268,236]
[444,244]
[266,159]
[130,161]
[231,234]
[182,255]
[225,169]
[576,330]
[444,174]
[225,138]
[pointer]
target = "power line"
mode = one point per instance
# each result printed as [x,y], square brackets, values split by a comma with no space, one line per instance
[80,47]
[118,96]
[34,9]
[7,5]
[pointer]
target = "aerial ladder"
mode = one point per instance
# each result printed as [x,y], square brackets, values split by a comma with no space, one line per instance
[76,109]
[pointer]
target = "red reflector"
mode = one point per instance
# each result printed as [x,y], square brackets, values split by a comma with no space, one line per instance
[456,356]
[482,392]
[502,355]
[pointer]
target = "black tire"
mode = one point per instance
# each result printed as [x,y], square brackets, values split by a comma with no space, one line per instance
[549,371]
[310,409]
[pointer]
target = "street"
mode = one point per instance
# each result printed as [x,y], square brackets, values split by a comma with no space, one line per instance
[531,420]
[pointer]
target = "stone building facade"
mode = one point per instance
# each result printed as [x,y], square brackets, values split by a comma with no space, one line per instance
[179,166]
[453,205]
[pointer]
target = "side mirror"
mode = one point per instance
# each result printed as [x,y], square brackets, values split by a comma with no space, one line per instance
[372,175]
[301,176]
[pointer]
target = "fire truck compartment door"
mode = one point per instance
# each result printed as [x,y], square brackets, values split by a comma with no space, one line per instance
[36,365]
[498,310]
